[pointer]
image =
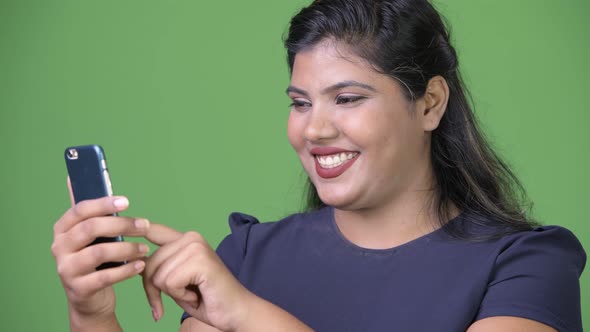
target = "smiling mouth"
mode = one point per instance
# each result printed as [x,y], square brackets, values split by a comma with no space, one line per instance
[335,160]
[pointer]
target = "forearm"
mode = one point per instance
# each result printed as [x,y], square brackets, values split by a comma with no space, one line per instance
[83,323]
[265,316]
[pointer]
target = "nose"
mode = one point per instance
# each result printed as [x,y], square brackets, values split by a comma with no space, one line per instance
[320,126]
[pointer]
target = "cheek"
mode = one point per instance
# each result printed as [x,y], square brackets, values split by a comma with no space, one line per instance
[362,128]
[295,126]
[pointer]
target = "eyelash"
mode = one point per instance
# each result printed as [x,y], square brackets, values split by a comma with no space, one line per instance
[340,100]
[297,104]
[348,99]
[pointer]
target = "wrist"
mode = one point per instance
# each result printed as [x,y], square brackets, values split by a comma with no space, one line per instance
[80,321]
[246,312]
[261,315]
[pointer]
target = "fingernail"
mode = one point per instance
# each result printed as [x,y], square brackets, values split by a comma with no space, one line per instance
[155,315]
[139,265]
[121,202]
[143,248]
[141,223]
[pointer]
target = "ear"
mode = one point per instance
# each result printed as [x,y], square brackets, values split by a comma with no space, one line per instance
[435,101]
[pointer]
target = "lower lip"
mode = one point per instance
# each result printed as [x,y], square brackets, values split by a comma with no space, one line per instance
[328,173]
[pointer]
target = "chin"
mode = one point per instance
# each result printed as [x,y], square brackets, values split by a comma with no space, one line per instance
[341,202]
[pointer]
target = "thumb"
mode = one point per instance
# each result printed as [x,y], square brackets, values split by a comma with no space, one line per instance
[71,192]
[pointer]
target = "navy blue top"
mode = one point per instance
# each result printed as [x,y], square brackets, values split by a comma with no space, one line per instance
[433,283]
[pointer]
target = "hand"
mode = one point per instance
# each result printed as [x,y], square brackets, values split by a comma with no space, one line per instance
[89,292]
[187,269]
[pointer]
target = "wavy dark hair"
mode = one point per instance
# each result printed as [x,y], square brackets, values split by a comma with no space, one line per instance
[408,40]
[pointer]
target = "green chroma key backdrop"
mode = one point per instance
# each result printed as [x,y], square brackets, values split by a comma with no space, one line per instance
[187,98]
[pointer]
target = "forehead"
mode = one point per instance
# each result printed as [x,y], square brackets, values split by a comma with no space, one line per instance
[330,62]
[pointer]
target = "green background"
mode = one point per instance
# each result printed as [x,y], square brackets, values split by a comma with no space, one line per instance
[187,98]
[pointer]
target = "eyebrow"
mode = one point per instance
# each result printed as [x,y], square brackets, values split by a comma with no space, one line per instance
[331,88]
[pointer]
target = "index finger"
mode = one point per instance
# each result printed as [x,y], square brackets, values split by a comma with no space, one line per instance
[88,209]
[161,235]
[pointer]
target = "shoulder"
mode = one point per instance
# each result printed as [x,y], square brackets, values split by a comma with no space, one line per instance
[245,227]
[532,274]
[248,233]
[239,221]
[548,246]
[535,275]
[501,242]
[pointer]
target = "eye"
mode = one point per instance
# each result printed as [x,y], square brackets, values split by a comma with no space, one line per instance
[348,99]
[300,105]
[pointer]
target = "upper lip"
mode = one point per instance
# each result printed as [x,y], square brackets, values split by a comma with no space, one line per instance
[327,150]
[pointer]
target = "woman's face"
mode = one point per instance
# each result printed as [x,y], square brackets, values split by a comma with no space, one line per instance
[360,141]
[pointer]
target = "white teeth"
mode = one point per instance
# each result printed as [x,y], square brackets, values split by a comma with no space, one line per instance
[335,160]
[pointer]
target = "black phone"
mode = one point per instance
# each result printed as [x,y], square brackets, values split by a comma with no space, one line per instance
[89,177]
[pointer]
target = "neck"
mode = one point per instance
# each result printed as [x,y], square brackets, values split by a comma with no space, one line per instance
[405,219]
[405,216]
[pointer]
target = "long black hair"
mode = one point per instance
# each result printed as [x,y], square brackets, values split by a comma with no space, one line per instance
[408,40]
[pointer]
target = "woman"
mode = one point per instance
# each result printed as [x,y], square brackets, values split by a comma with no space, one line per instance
[414,223]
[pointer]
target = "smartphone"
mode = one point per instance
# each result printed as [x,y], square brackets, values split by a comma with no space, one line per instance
[89,177]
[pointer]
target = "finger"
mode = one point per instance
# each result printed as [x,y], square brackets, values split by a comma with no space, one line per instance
[91,283]
[71,192]
[90,208]
[158,258]
[166,252]
[153,291]
[167,279]
[86,260]
[154,297]
[180,278]
[84,233]
[190,297]
[161,235]
[195,312]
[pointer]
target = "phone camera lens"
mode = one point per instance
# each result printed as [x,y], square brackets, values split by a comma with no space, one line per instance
[72,154]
